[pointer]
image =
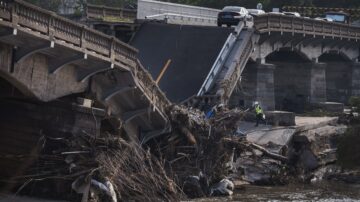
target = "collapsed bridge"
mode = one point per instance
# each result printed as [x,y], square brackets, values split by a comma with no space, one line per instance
[251,48]
[49,58]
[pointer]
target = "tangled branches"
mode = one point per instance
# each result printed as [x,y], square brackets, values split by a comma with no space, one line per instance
[105,168]
[136,174]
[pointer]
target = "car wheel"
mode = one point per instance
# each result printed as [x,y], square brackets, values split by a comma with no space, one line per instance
[228,25]
[219,24]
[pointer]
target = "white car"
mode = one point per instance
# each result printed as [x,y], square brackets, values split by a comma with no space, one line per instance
[324,19]
[276,13]
[296,14]
[232,15]
[256,12]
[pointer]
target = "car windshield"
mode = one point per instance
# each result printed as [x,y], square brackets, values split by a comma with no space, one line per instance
[336,17]
[231,9]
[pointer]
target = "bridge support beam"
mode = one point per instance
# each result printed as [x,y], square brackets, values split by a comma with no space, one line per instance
[119,90]
[265,91]
[318,83]
[355,81]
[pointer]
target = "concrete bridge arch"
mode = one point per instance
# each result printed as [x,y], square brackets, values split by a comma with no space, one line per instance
[31,75]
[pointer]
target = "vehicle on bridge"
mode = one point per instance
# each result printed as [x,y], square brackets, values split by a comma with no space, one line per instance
[232,15]
[255,12]
[295,14]
[338,16]
[324,19]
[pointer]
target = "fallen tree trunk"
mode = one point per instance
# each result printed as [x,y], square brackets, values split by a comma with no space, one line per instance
[269,154]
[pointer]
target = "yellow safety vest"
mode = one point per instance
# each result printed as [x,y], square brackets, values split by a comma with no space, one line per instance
[258,110]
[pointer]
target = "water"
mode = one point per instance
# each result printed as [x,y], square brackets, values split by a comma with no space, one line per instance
[324,192]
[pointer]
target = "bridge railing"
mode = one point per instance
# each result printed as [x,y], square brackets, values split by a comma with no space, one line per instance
[282,23]
[184,19]
[109,13]
[220,60]
[18,13]
[29,16]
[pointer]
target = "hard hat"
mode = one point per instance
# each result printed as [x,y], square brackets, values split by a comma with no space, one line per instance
[256,103]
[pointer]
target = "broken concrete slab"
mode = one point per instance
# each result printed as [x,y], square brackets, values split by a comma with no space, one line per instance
[332,107]
[274,139]
[280,118]
[307,123]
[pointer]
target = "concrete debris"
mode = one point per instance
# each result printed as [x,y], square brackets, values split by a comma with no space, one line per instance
[201,157]
[224,188]
[336,173]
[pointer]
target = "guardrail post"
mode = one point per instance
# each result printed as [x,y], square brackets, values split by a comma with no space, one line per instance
[121,13]
[280,24]
[292,26]
[303,26]
[83,37]
[340,33]
[112,49]
[51,29]
[14,15]
[103,13]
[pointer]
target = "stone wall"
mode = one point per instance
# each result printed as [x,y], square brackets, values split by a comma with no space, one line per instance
[338,81]
[292,85]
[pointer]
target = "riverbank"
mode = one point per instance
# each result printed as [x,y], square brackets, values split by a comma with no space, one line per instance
[323,192]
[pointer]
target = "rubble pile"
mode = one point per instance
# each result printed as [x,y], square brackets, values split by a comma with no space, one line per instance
[83,167]
[201,156]
[201,145]
[205,156]
[108,167]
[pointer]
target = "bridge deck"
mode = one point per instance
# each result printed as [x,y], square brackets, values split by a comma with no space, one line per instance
[192,50]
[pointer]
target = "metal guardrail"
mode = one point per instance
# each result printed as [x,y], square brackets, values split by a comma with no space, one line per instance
[320,11]
[20,14]
[282,23]
[109,13]
[150,7]
[231,79]
[220,60]
[174,18]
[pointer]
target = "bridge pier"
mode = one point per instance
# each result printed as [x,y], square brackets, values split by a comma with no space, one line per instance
[355,81]
[318,83]
[265,86]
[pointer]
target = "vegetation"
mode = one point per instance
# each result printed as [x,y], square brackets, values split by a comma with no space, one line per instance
[52,5]
[267,4]
[354,102]
[348,148]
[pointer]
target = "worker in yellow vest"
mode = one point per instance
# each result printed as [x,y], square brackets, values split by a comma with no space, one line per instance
[260,116]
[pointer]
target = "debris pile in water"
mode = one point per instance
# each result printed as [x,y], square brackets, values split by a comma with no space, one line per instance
[109,168]
[201,156]
[89,168]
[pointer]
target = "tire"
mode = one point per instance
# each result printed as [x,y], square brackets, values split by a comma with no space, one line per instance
[219,24]
[228,25]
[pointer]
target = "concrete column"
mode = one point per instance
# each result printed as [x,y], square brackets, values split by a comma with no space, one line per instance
[265,86]
[318,83]
[355,80]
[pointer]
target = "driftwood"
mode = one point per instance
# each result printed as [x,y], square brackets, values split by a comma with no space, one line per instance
[269,154]
[244,145]
[190,137]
